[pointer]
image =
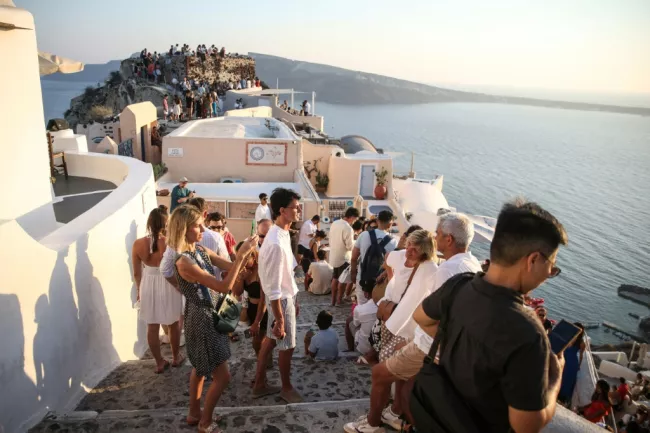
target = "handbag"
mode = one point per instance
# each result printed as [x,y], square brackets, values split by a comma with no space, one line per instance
[389,341]
[435,403]
[225,316]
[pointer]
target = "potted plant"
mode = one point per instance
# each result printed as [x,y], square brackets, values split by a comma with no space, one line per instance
[382,180]
[322,180]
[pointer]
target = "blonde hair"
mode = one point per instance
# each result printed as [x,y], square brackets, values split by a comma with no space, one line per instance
[181,219]
[424,241]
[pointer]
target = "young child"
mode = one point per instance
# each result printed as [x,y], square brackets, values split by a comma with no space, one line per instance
[324,345]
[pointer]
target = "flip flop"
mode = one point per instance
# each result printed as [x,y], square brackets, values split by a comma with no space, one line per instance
[212,428]
[164,367]
[361,361]
[267,390]
[179,363]
[192,421]
[292,397]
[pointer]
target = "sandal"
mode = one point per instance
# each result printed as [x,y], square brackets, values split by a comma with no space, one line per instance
[234,338]
[179,363]
[164,367]
[192,421]
[361,361]
[212,428]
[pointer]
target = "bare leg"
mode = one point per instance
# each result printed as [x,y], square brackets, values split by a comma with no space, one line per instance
[308,336]
[379,393]
[267,349]
[196,389]
[165,329]
[153,329]
[348,289]
[175,340]
[405,397]
[335,287]
[285,369]
[220,380]
[397,402]
[349,338]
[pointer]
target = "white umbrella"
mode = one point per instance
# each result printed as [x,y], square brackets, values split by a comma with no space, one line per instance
[50,64]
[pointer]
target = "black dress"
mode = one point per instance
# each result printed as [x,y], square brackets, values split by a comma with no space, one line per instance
[206,348]
[253,289]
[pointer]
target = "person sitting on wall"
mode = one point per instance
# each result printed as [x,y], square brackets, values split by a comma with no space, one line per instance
[180,194]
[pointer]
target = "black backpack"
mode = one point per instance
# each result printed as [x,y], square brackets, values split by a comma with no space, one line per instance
[373,261]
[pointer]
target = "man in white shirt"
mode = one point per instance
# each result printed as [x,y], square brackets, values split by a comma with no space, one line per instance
[263,211]
[341,238]
[306,108]
[453,236]
[361,247]
[211,239]
[276,270]
[307,232]
[320,273]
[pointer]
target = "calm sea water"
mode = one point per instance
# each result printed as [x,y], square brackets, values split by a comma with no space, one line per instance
[590,169]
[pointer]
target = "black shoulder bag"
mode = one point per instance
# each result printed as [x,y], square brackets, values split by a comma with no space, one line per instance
[435,404]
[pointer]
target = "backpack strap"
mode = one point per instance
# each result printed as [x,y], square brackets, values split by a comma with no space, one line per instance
[385,241]
[373,237]
[450,290]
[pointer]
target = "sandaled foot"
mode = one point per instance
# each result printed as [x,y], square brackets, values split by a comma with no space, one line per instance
[234,338]
[291,396]
[212,428]
[179,363]
[266,390]
[194,420]
[163,367]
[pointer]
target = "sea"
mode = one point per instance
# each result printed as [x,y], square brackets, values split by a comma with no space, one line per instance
[590,169]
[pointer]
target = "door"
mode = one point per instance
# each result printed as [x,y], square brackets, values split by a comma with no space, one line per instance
[367,182]
[143,154]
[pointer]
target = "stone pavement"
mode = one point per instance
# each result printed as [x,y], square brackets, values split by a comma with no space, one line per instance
[134,399]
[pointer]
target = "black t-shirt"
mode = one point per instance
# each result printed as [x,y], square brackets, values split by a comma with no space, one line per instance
[496,353]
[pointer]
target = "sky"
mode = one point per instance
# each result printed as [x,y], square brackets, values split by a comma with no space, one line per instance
[576,45]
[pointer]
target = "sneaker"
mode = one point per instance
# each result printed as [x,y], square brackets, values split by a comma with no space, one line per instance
[164,339]
[388,417]
[361,426]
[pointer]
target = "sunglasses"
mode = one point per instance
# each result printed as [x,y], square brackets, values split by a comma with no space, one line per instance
[261,236]
[214,228]
[555,271]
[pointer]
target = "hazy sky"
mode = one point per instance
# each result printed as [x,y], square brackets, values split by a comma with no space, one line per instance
[583,45]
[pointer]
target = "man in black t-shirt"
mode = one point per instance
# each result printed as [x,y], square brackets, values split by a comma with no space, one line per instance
[497,354]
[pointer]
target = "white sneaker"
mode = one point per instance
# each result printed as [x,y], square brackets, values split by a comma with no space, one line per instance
[361,426]
[164,339]
[388,417]
[182,343]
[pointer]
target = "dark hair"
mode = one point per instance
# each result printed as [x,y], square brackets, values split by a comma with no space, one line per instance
[358,225]
[320,234]
[412,229]
[164,209]
[385,216]
[263,195]
[604,387]
[324,320]
[622,380]
[263,220]
[282,197]
[216,216]
[315,218]
[351,212]
[633,427]
[198,202]
[156,224]
[523,228]
[321,254]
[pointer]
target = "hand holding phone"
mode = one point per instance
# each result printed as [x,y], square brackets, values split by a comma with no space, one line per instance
[563,335]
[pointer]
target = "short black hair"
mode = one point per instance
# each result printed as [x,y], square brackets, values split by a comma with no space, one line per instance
[263,196]
[315,218]
[385,216]
[351,212]
[622,379]
[412,229]
[320,234]
[524,228]
[216,216]
[321,254]
[324,320]
[357,225]
[282,197]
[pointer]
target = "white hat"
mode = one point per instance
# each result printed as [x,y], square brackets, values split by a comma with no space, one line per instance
[183,179]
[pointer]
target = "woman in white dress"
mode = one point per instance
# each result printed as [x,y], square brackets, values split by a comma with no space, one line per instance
[160,302]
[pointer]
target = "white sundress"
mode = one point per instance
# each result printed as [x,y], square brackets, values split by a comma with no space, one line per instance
[160,302]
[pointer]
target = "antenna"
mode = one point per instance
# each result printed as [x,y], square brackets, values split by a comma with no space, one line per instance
[411,172]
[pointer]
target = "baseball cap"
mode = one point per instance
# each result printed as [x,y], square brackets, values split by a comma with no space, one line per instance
[183,179]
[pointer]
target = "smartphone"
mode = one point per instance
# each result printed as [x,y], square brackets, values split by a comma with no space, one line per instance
[563,335]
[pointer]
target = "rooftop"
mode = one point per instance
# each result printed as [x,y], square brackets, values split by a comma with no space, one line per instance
[78,194]
[235,127]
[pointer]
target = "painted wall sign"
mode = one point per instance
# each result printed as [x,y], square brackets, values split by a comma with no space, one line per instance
[175,152]
[266,154]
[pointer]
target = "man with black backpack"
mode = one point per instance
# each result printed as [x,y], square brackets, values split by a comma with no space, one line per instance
[496,371]
[368,255]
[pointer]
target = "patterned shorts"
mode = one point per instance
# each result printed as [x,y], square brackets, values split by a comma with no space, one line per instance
[289,312]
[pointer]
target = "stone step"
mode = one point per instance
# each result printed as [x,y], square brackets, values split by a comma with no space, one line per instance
[135,386]
[318,417]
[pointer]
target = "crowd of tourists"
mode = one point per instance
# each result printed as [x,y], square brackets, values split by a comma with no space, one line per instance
[432,322]
[305,108]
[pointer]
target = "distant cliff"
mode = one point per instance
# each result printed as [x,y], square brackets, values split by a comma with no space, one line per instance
[344,86]
[93,73]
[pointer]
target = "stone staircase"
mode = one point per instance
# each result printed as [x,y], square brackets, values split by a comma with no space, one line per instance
[134,399]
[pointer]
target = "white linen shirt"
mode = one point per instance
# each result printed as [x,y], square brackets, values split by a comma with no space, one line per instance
[341,239]
[308,228]
[463,262]
[262,212]
[276,265]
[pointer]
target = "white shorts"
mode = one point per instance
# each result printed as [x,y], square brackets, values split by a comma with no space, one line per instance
[360,294]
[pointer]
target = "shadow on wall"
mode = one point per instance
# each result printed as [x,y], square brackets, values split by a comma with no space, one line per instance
[19,404]
[140,346]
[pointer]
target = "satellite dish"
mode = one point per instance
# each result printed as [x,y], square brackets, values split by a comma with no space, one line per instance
[326,220]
